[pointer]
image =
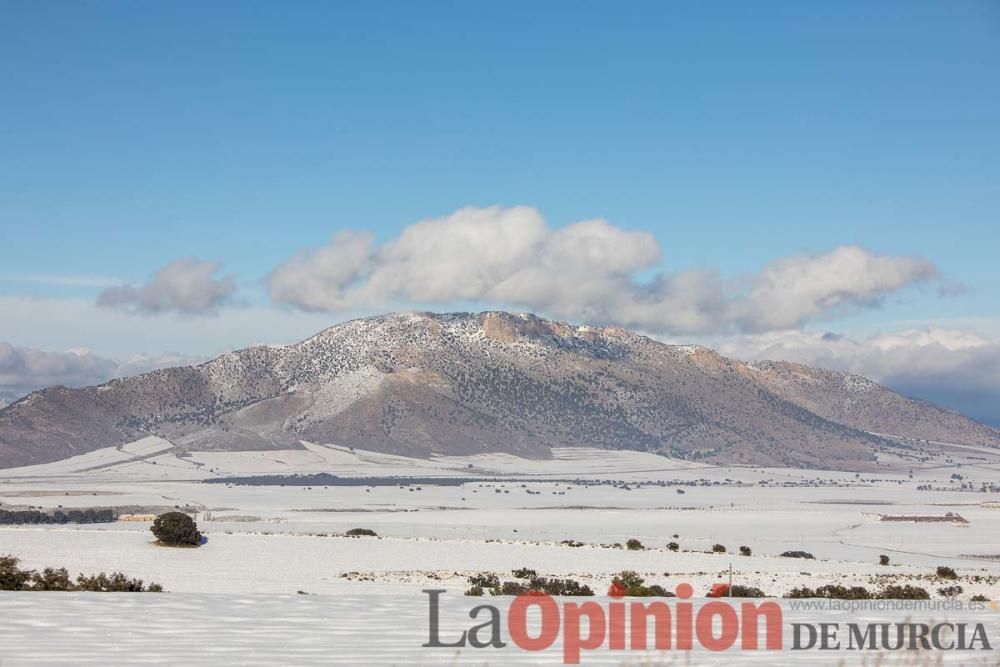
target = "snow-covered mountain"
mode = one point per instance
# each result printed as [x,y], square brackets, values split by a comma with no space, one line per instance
[419,383]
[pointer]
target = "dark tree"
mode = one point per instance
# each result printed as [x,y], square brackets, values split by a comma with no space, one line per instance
[176,529]
[738,591]
[832,592]
[115,583]
[629,583]
[13,578]
[361,532]
[58,516]
[906,592]
[51,579]
[951,591]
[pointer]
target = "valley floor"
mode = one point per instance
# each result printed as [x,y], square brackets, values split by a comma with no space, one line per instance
[287,539]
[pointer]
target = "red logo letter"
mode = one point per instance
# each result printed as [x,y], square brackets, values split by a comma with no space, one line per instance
[517,622]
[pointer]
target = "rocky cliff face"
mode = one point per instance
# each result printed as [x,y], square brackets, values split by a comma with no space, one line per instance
[417,384]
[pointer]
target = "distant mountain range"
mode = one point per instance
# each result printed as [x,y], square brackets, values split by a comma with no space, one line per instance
[420,383]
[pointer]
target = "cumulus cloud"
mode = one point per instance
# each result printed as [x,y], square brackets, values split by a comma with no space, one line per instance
[24,369]
[315,280]
[187,286]
[461,257]
[475,254]
[792,290]
[588,271]
[956,368]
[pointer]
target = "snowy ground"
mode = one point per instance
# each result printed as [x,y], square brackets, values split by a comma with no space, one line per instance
[358,629]
[284,539]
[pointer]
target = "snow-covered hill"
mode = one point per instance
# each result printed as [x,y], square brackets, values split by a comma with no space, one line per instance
[419,383]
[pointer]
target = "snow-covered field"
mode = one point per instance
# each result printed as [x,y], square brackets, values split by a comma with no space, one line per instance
[359,629]
[286,539]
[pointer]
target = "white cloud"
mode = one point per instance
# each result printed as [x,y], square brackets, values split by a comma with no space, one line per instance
[588,271]
[460,257]
[314,280]
[792,290]
[26,369]
[186,286]
[23,370]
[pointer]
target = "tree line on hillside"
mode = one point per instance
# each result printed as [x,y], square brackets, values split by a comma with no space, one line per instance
[17,517]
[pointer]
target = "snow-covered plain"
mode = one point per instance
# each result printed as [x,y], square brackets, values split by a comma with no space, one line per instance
[361,629]
[285,539]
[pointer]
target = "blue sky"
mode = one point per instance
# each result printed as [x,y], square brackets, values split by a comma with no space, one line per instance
[734,134]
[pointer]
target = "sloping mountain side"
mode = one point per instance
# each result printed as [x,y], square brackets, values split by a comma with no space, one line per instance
[866,405]
[418,384]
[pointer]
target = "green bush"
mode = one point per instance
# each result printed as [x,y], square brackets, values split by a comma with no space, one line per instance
[361,532]
[548,586]
[832,592]
[797,554]
[560,587]
[673,546]
[838,592]
[739,591]
[176,529]
[633,585]
[634,545]
[485,581]
[950,591]
[488,582]
[946,572]
[746,551]
[13,578]
[907,592]
[628,579]
[116,582]
[51,579]
[883,560]
[718,549]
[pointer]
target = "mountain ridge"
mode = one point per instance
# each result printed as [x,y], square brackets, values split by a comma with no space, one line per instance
[462,383]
